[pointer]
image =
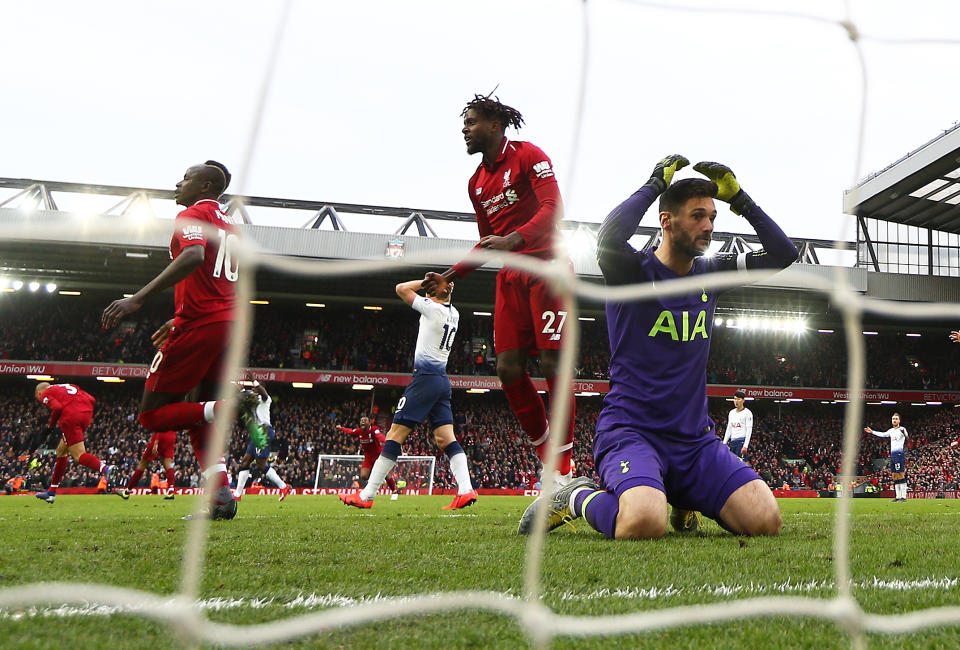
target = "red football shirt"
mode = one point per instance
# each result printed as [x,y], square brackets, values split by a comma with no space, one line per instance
[371,440]
[208,295]
[518,192]
[61,396]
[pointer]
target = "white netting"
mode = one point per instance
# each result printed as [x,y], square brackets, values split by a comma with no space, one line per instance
[340,471]
[537,620]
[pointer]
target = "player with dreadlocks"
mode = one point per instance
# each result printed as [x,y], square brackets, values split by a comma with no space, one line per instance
[517,203]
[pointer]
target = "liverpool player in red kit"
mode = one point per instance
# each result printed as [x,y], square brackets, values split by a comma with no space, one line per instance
[72,409]
[517,203]
[162,445]
[371,441]
[192,346]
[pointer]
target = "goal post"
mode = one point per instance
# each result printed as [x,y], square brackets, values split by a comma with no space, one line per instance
[341,470]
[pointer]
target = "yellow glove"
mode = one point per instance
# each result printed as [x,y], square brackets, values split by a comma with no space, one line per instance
[663,172]
[728,188]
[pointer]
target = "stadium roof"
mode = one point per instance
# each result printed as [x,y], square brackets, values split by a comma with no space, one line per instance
[921,189]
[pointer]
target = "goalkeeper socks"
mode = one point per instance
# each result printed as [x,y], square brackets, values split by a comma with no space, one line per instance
[173,417]
[385,463]
[89,460]
[134,479]
[242,478]
[273,476]
[599,508]
[458,465]
[58,471]
[566,449]
[528,407]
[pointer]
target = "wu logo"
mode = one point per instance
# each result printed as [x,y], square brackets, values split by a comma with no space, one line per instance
[624,466]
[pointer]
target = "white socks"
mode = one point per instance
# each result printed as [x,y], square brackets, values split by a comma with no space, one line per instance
[458,465]
[242,478]
[273,476]
[377,476]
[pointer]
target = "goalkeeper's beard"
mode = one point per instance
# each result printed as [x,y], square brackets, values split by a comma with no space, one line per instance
[690,249]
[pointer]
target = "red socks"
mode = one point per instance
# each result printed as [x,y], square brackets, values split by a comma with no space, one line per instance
[199,436]
[58,471]
[171,478]
[566,449]
[391,483]
[134,479]
[529,409]
[89,460]
[173,417]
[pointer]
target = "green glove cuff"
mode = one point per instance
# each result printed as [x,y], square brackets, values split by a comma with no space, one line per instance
[741,203]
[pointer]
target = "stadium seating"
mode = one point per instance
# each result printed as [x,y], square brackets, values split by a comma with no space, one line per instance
[346,337]
[794,445]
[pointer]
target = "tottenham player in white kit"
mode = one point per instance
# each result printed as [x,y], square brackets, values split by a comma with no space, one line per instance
[262,415]
[427,396]
[739,426]
[898,462]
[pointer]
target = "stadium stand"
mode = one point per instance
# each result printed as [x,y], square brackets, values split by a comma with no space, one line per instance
[793,445]
[346,337]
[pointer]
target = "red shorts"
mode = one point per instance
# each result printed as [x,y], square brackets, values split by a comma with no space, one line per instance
[527,316]
[369,460]
[166,445]
[190,355]
[74,422]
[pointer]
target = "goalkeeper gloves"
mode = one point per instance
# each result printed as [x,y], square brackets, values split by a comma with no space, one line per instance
[728,188]
[664,170]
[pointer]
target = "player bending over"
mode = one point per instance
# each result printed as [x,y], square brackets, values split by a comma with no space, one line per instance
[182,382]
[739,426]
[262,419]
[72,409]
[371,443]
[517,203]
[898,463]
[655,442]
[161,445]
[427,396]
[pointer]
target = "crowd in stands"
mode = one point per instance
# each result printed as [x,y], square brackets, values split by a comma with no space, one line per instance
[347,337]
[794,446]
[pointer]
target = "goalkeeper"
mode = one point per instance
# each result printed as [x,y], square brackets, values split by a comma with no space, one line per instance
[655,442]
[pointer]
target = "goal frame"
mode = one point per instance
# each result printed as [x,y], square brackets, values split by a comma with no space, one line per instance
[321,457]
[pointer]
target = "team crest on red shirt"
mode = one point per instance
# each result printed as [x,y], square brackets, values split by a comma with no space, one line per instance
[506,178]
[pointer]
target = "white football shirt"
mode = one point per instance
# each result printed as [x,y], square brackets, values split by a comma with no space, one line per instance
[263,410]
[897,435]
[739,426]
[438,326]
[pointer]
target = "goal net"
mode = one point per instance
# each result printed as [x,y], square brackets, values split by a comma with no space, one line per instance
[342,471]
[526,606]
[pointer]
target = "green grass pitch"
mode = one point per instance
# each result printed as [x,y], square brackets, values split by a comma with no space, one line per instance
[278,560]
